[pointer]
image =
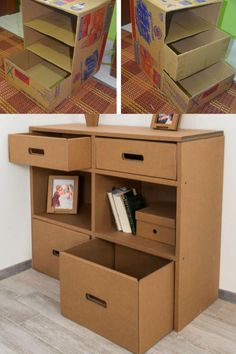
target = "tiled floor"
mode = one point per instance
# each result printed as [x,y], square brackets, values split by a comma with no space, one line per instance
[31,323]
[13,23]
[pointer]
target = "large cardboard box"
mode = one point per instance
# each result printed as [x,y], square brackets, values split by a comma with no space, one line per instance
[64,45]
[122,294]
[178,38]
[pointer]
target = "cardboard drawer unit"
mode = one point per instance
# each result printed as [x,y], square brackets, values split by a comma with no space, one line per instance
[157,223]
[179,40]
[48,241]
[64,44]
[137,157]
[118,293]
[65,154]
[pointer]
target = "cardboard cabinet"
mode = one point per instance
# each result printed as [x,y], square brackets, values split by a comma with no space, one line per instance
[132,289]
[174,42]
[64,45]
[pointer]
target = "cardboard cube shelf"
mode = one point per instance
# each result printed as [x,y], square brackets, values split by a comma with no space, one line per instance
[113,278]
[177,41]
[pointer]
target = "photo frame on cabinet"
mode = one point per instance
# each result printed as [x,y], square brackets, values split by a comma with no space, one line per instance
[168,121]
[63,194]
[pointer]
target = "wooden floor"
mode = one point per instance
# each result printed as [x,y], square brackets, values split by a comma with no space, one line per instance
[30,323]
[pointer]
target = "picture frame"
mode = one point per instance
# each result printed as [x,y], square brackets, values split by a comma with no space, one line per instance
[168,121]
[62,194]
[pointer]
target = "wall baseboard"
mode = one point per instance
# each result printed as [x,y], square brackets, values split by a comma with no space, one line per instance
[227,296]
[18,268]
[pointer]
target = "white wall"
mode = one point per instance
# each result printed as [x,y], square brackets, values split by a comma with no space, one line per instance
[15,230]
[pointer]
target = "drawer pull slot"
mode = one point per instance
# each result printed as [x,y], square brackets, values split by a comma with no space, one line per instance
[33,151]
[154,231]
[96,300]
[133,157]
[55,253]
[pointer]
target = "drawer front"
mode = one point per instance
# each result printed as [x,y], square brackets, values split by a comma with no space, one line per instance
[156,232]
[104,301]
[48,241]
[138,157]
[50,152]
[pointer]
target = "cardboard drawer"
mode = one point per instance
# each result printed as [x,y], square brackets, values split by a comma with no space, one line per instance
[122,294]
[138,157]
[65,154]
[190,55]
[156,232]
[190,94]
[43,82]
[48,241]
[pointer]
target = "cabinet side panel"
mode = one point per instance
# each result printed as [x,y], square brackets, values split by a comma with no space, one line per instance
[197,270]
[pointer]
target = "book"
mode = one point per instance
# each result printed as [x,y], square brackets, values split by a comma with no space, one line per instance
[114,211]
[120,207]
[132,204]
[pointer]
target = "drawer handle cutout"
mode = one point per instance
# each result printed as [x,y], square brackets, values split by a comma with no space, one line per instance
[55,253]
[33,151]
[132,157]
[96,300]
[155,231]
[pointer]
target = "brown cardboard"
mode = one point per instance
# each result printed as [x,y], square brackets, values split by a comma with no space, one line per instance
[110,287]
[190,94]
[161,214]
[71,36]
[190,55]
[66,154]
[47,242]
[136,157]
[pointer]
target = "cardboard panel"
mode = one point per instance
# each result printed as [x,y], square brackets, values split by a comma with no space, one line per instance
[188,56]
[162,213]
[156,232]
[138,157]
[49,152]
[47,242]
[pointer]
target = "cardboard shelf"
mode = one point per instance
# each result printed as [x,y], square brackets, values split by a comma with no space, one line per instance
[138,243]
[80,222]
[53,51]
[57,25]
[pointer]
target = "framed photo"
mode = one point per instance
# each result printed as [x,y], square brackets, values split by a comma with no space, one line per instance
[63,194]
[165,121]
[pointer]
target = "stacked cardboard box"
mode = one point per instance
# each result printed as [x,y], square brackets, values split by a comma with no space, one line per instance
[177,44]
[64,44]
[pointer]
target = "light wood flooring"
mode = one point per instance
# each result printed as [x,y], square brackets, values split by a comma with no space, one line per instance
[30,323]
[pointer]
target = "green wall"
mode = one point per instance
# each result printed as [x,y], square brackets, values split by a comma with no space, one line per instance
[227,21]
[112,32]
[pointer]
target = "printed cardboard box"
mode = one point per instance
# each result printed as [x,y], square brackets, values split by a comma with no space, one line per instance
[190,94]
[69,37]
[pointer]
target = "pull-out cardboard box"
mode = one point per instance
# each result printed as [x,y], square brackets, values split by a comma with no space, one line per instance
[178,38]
[64,45]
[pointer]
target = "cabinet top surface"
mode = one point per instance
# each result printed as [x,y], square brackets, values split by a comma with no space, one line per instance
[129,132]
[75,7]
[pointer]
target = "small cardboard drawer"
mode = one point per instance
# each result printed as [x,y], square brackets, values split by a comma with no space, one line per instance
[156,232]
[43,82]
[120,293]
[138,157]
[190,55]
[190,94]
[65,154]
[48,241]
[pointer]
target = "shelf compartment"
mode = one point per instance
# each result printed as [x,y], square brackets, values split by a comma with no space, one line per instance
[57,25]
[53,51]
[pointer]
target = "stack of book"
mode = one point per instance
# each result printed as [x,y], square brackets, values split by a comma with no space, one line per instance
[124,203]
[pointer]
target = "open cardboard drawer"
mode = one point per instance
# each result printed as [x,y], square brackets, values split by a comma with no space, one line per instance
[190,55]
[60,153]
[138,157]
[190,94]
[42,81]
[48,241]
[122,294]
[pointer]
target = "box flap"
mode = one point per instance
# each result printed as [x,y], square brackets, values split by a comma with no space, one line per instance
[76,7]
[207,78]
[159,214]
[56,25]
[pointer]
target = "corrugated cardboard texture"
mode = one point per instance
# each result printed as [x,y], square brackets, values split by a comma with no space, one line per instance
[47,242]
[110,299]
[58,153]
[124,156]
